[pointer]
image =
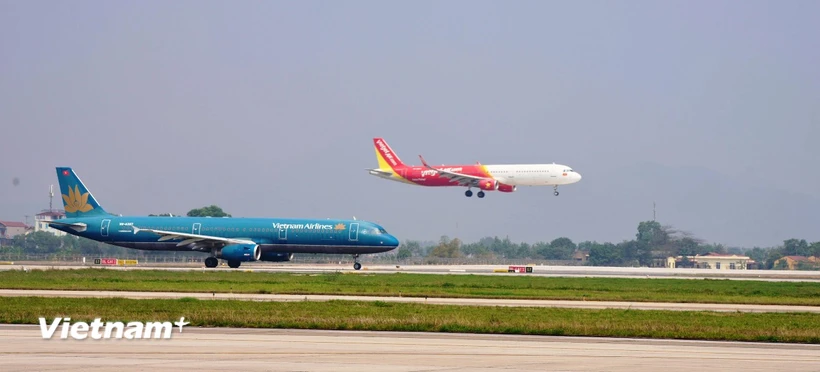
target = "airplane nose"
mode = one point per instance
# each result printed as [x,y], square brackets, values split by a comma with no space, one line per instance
[577,176]
[391,241]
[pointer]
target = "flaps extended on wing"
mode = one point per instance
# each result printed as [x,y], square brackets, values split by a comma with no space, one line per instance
[462,179]
[192,238]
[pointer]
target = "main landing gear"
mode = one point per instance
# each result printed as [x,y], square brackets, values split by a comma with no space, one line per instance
[556,191]
[211,262]
[469,193]
[356,264]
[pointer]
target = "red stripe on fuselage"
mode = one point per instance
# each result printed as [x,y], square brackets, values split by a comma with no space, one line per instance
[427,177]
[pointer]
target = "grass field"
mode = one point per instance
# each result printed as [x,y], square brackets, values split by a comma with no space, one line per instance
[471,286]
[381,316]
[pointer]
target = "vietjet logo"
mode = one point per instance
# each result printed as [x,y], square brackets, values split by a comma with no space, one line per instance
[386,152]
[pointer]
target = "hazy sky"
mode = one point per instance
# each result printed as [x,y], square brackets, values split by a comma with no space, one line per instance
[268,109]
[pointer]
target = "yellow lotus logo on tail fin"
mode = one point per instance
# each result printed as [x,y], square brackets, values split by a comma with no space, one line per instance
[76,202]
[340,226]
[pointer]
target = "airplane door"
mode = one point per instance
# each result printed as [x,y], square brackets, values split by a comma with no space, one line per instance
[104,227]
[354,231]
[195,229]
[283,233]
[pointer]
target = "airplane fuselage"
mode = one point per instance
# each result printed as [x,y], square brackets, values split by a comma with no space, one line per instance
[273,235]
[507,174]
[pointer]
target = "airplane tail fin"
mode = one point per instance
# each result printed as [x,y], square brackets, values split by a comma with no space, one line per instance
[385,155]
[77,200]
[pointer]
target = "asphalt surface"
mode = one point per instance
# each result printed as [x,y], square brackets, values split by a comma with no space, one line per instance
[22,348]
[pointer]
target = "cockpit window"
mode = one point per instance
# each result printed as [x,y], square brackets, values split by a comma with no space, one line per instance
[382,231]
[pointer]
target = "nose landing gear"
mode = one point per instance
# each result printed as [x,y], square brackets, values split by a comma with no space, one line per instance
[556,191]
[356,264]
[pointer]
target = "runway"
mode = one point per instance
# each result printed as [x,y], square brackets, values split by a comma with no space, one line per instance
[216,349]
[418,300]
[541,271]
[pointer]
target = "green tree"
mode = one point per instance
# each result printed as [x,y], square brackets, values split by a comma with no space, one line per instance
[404,253]
[446,248]
[652,233]
[414,247]
[209,211]
[686,246]
[758,254]
[562,248]
[39,242]
[606,254]
[814,249]
[794,247]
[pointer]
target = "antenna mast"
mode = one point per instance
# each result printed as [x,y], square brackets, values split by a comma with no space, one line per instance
[50,197]
[653,211]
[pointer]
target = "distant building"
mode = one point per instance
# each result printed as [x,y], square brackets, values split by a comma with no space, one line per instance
[715,261]
[9,229]
[42,219]
[580,256]
[792,262]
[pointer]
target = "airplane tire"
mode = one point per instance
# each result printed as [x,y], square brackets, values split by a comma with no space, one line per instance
[211,262]
[556,193]
[480,194]
[357,266]
[468,193]
[234,264]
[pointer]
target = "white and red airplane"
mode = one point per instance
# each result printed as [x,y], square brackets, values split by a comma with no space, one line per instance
[504,178]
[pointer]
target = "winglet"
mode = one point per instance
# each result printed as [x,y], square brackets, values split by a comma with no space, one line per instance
[424,163]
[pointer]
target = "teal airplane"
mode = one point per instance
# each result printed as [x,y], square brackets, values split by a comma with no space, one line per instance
[234,240]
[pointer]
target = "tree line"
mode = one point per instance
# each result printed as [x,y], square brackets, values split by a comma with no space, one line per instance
[652,244]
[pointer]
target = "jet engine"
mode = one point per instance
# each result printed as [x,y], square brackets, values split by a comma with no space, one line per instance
[488,184]
[240,252]
[506,188]
[276,256]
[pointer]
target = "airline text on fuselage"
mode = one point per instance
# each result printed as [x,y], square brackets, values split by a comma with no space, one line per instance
[302,226]
[430,172]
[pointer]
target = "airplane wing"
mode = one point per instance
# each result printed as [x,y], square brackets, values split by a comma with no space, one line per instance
[194,238]
[462,179]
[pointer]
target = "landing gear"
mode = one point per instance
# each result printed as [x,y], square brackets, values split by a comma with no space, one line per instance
[211,262]
[356,264]
[234,264]
[469,193]
[556,191]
